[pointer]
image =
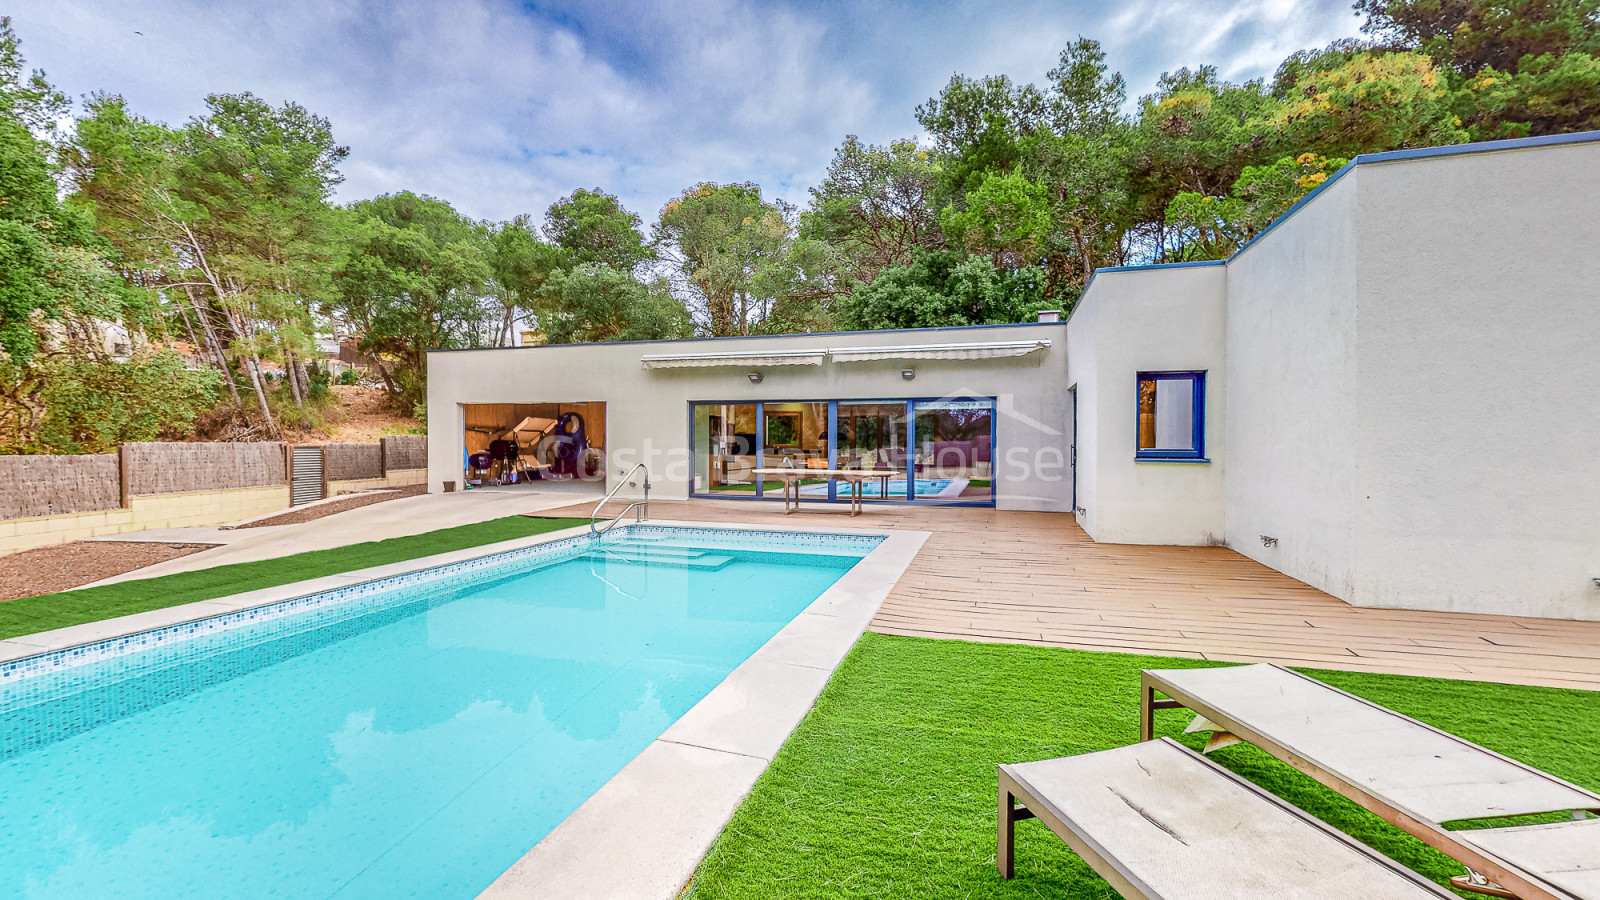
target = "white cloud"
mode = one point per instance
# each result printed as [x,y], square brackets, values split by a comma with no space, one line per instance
[501,110]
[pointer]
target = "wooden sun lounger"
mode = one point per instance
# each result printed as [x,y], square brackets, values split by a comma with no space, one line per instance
[1409,774]
[1160,822]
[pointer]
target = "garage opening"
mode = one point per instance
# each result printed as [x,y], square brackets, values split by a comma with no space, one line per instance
[532,443]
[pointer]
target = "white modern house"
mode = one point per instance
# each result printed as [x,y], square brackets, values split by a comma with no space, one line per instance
[1393,394]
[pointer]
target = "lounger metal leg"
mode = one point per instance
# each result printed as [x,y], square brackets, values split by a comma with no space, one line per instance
[1148,704]
[1147,712]
[1010,813]
[1005,844]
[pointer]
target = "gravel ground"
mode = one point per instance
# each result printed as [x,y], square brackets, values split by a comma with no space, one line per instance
[66,566]
[354,501]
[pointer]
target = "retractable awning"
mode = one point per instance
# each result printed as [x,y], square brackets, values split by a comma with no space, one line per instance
[744,359]
[988,350]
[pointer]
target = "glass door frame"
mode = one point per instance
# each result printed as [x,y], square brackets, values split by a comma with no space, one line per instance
[833,495]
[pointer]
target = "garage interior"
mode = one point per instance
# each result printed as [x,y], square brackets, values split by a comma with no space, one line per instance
[528,443]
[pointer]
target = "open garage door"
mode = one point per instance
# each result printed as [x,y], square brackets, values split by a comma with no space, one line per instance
[528,443]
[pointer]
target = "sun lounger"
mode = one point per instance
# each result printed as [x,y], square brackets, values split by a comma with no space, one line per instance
[1160,822]
[1409,774]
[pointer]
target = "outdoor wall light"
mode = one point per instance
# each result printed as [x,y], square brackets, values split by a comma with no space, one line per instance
[908,374]
[755,377]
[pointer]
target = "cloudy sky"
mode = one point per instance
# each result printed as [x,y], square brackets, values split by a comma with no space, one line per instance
[501,107]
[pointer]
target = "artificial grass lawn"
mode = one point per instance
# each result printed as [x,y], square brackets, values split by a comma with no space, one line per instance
[887,789]
[27,615]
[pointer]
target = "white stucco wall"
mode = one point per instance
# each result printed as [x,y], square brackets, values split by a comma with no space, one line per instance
[1478,441]
[647,410]
[1411,369]
[1159,319]
[1083,377]
[1291,339]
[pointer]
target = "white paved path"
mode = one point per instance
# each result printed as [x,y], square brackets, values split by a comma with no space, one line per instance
[392,518]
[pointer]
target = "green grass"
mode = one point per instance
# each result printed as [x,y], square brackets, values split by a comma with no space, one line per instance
[887,789]
[46,611]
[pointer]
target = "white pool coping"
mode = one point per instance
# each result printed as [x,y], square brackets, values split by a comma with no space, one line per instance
[642,835]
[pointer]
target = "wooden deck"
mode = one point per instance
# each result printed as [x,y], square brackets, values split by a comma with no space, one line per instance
[1037,578]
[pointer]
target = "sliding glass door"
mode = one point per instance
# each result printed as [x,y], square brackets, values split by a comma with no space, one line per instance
[725,448]
[954,444]
[919,450]
[871,435]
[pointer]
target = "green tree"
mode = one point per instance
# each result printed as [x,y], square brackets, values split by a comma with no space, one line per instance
[873,205]
[1470,36]
[57,286]
[94,404]
[26,97]
[595,302]
[415,277]
[1206,227]
[1080,157]
[227,216]
[743,261]
[1195,133]
[1006,217]
[1348,103]
[520,264]
[1516,67]
[977,125]
[943,288]
[593,227]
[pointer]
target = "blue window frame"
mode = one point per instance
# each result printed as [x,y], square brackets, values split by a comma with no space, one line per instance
[1171,416]
[929,450]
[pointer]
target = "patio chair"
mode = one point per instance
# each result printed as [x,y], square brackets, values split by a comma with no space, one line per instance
[1160,822]
[1411,775]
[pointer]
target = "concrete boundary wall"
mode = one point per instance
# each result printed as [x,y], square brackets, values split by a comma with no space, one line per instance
[48,500]
[181,510]
[395,479]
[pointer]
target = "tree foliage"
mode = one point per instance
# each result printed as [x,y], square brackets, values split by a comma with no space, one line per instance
[596,302]
[741,261]
[592,227]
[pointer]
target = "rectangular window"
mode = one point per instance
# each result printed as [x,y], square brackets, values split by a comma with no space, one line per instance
[1172,415]
[954,450]
[725,446]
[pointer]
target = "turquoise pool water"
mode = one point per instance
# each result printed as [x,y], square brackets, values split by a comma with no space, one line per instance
[404,739]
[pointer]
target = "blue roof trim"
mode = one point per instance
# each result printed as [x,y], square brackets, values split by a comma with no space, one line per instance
[760,337]
[1180,265]
[1576,137]
[1310,195]
[1580,137]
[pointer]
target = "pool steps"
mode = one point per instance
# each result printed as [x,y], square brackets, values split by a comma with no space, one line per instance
[680,556]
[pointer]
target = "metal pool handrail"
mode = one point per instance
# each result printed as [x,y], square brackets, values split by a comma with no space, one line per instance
[642,506]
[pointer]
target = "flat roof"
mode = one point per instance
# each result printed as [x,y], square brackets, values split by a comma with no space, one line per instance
[760,337]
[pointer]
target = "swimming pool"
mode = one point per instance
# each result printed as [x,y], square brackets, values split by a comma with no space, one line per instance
[412,736]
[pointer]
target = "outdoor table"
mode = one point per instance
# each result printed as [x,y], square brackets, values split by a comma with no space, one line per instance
[791,479]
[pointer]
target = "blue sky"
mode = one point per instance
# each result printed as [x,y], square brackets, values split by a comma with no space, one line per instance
[501,107]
